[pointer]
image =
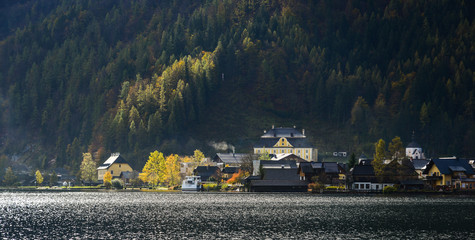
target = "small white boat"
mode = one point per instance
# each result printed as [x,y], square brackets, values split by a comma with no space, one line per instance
[191,183]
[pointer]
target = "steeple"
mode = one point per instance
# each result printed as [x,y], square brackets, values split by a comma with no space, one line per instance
[413,149]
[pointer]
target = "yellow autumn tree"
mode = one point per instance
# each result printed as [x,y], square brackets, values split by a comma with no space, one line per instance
[172,170]
[198,156]
[153,171]
[107,179]
[39,177]
[88,168]
[379,156]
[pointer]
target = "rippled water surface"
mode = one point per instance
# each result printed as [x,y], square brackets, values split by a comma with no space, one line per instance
[144,215]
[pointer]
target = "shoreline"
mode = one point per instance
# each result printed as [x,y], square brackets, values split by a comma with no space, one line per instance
[78,189]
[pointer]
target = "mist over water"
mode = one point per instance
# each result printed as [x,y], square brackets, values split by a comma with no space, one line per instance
[127,215]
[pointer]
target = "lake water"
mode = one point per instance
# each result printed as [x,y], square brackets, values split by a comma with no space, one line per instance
[146,215]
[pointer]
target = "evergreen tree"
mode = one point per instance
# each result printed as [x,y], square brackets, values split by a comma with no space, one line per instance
[10,179]
[352,162]
[53,179]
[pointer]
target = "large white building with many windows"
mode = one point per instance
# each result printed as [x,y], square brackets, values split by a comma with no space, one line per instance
[286,140]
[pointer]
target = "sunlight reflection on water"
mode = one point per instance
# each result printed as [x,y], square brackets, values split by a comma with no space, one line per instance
[127,215]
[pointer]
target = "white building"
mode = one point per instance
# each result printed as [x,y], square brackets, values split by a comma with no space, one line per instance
[414,150]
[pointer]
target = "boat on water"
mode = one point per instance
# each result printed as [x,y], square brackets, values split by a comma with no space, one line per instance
[191,183]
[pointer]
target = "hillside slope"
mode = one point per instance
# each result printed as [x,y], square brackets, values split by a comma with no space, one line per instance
[133,76]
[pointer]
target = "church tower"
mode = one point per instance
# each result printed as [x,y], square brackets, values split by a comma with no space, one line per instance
[414,150]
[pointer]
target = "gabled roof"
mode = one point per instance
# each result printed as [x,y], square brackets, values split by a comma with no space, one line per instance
[271,164]
[317,165]
[306,168]
[413,144]
[365,162]
[280,156]
[363,170]
[331,167]
[419,163]
[295,142]
[229,158]
[230,170]
[114,158]
[281,174]
[206,172]
[207,169]
[287,156]
[283,132]
[448,166]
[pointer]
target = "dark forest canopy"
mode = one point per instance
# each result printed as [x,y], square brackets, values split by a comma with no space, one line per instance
[131,76]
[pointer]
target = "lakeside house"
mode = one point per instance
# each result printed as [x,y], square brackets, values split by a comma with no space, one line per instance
[228,172]
[286,140]
[451,173]
[329,173]
[229,159]
[208,173]
[364,179]
[116,165]
[284,179]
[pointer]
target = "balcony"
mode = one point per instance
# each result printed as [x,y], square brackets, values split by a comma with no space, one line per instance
[433,178]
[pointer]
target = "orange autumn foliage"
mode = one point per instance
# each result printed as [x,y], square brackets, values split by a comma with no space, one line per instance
[236,177]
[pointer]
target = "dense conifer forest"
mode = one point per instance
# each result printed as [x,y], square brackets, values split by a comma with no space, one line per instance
[135,76]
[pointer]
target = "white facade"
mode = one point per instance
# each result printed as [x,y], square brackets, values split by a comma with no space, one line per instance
[369,186]
[414,153]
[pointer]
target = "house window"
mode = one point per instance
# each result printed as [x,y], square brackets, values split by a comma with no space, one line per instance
[274,150]
[377,187]
[298,151]
[367,186]
[112,171]
[258,151]
[356,186]
[120,165]
[306,151]
[282,142]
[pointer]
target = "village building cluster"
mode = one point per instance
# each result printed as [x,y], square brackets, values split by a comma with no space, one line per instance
[284,160]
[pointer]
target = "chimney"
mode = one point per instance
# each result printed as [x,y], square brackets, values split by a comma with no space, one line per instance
[272,126]
[265,131]
[303,132]
[234,152]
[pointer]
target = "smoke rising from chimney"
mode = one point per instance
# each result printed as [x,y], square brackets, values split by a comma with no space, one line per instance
[220,146]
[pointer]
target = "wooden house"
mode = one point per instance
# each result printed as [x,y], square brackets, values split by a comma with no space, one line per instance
[278,180]
[115,164]
[208,173]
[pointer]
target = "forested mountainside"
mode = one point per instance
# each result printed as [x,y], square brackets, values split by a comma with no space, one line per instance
[133,76]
